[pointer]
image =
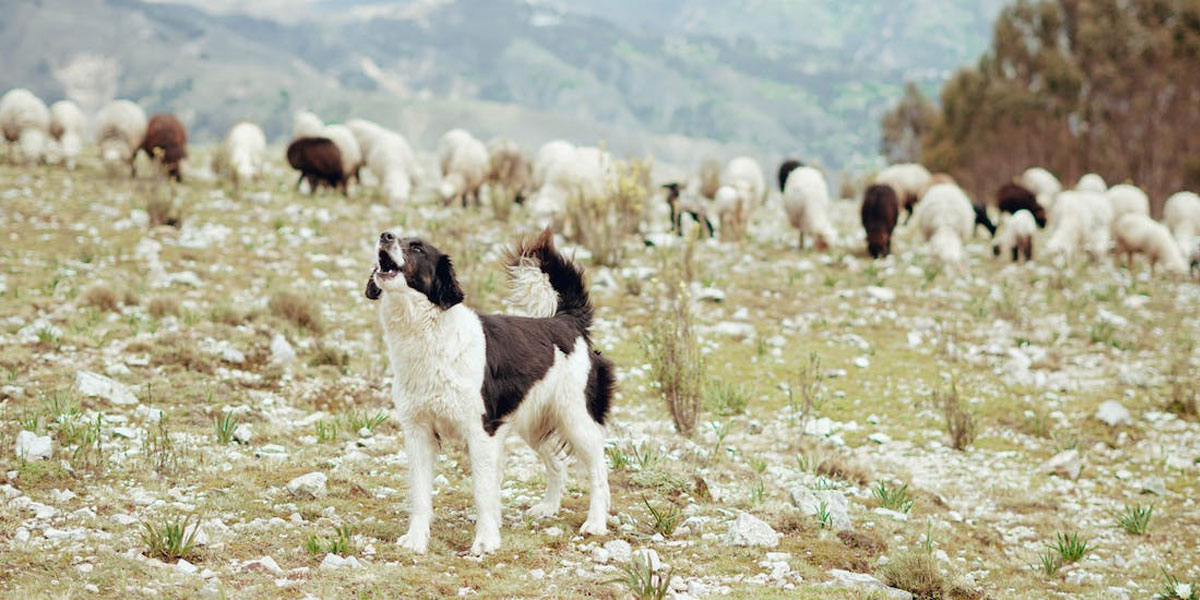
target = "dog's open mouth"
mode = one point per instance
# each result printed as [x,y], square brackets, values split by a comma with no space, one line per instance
[387,266]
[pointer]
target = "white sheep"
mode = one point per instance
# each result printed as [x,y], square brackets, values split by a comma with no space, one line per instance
[1181,214]
[1044,185]
[67,126]
[391,160]
[120,128]
[584,171]
[306,124]
[243,151]
[464,163]
[347,145]
[745,178]
[1091,182]
[1136,233]
[25,121]
[1016,236]
[946,219]
[910,181]
[1127,199]
[1080,223]
[550,154]
[806,201]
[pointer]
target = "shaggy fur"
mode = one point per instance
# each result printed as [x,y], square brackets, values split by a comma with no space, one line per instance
[1136,233]
[946,218]
[880,211]
[806,202]
[909,181]
[120,128]
[1013,197]
[475,378]
[319,162]
[166,140]
[1016,236]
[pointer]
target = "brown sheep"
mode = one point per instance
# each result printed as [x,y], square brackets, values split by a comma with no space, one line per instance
[880,210]
[1013,197]
[319,161]
[166,141]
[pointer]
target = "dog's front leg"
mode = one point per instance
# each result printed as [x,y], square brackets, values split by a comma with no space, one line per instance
[421,448]
[485,462]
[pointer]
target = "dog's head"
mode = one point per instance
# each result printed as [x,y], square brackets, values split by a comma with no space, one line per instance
[413,264]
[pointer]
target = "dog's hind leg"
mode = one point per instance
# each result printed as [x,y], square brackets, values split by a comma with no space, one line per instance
[483,449]
[556,471]
[421,449]
[587,439]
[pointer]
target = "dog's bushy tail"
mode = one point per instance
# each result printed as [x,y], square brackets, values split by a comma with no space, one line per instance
[544,283]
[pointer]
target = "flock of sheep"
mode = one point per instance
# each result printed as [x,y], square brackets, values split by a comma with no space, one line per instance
[1088,221]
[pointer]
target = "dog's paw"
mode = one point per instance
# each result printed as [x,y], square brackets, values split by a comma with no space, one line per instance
[413,542]
[591,527]
[542,510]
[485,544]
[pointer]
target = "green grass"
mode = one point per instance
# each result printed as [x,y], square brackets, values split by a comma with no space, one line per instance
[895,498]
[170,539]
[1135,520]
[1069,547]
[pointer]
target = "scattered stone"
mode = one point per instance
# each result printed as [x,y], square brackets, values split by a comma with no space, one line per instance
[880,294]
[866,582]
[186,567]
[707,294]
[1154,485]
[600,555]
[862,362]
[834,502]
[282,352]
[879,437]
[619,550]
[553,531]
[648,556]
[265,564]
[128,433]
[748,530]
[243,434]
[736,330]
[31,446]
[1068,464]
[310,485]
[1112,413]
[95,385]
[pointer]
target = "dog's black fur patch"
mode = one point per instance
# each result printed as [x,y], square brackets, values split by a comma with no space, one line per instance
[520,351]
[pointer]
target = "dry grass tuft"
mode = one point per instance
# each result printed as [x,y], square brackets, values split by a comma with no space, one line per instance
[915,572]
[297,309]
[161,306]
[102,297]
[960,423]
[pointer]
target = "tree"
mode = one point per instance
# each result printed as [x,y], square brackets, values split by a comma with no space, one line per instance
[906,125]
[1077,86]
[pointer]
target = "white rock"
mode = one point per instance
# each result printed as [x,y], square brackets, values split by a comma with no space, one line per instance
[863,581]
[92,384]
[31,446]
[748,530]
[1113,413]
[600,555]
[732,329]
[185,567]
[862,362]
[648,556]
[880,294]
[879,437]
[282,352]
[243,434]
[1068,464]
[619,550]
[310,485]
[266,564]
[333,561]
[810,502]
[553,531]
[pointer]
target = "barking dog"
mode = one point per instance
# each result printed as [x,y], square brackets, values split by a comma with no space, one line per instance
[458,374]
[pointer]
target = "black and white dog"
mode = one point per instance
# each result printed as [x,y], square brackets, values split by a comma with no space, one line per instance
[459,374]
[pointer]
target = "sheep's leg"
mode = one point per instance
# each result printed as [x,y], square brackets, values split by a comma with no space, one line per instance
[711,229]
[1016,253]
[802,241]
[1029,251]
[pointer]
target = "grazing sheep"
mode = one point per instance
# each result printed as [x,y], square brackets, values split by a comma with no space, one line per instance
[680,203]
[319,162]
[946,219]
[1181,214]
[880,211]
[508,171]
[910,182]
[786,167]
[1091,182]
[1014,197]
[365,133]
[166,140]
[547,157]
[25,121]
[1016,236]
[242,152]
[306,124]
[391,160]
[1138,233]
[806,202]
[745,178]
[120,129]
[67,126]
[585,170]
[709,177]
[1042,183]
[1126,199]
[1080,223]
[352,157]
[464,163]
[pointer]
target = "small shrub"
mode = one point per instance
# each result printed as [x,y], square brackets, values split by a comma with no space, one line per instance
[673,350]
[808,384]
[340,543]
[165,456]
[1183,382]
[357,420]
[330,355]
[617,459]
[894,498]
[161,306]
[602,223]
[102,297]
[327,431]
[1135,519]
[297,309]
[914,572]
[726,399]
[960,423]
[642,581]
[1048,563]
[170,539]
[1069,547]
[824,517]
[664,520]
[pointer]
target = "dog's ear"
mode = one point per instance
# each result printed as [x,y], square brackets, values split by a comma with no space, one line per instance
[444,290]
[373,290]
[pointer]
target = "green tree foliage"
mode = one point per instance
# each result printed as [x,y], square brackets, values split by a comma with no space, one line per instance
[905,126]
[1077,86]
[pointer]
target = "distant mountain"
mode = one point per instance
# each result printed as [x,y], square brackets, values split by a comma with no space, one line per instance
[681,79]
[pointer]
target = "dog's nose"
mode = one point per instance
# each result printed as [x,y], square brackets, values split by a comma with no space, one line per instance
[386,237]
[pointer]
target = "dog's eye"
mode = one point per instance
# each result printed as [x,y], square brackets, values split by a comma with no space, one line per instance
[417,248]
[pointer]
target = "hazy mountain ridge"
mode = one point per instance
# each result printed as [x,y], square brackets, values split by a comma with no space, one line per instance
[632,72]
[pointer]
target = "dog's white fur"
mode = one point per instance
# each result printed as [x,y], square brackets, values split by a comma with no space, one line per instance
[438,360]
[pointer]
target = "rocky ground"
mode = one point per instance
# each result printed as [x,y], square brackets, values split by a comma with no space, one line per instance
[224,378]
